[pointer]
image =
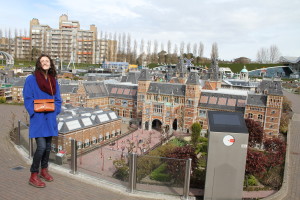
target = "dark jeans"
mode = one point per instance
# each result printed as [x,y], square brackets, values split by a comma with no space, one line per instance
[41,155]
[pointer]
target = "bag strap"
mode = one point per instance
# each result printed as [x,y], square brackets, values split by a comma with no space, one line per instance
[49,79]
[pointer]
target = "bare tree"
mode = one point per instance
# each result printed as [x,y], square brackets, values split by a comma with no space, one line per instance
[155,51]
[195,49]
[123,47]
[115,42]
[214,51]
[16,32]
[162,55]
[262,55]
[25,32]
[128,49]
[274,53]
[9,41]
[1,33]
[181,48]
[141,56]
[119,51]
[142,46]
[134,52]
[175,49]
[188,48]
[148,51]
[201,50]
[169,47]
[162,46]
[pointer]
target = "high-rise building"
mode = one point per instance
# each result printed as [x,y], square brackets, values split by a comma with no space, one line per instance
[66,43]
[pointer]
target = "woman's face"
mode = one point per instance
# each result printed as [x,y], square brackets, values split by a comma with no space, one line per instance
[45,63]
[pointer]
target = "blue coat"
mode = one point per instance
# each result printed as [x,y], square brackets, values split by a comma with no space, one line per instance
[41,124]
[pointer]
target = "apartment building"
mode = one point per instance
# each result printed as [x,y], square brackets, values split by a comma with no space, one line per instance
[66,43]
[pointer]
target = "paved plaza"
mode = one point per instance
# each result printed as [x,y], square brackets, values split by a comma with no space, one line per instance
[101,159]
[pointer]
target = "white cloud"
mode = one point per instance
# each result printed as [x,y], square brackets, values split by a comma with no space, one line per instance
[239,27]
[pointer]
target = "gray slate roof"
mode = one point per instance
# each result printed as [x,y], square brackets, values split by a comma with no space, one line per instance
[131,77]
[257,100]
[193,79]
[240,83]
[19,83]
[167,88]
[95,89]
[272,87]
[290,59]
[80,118]
[68,89]
[145,75]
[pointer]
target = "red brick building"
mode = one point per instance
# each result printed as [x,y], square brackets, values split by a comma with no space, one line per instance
[185,100]
[89,127]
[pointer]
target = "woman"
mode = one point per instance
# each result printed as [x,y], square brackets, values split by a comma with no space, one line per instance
[42,84]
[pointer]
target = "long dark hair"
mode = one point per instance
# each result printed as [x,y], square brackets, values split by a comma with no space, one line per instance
[38,65]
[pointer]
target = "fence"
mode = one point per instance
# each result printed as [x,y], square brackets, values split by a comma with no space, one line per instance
[122,166]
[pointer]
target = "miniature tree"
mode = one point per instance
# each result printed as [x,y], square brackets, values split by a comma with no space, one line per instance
[255,132]
[196,129]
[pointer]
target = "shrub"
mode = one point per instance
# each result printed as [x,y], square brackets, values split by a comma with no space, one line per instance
[2,100]
[179,142]
[196,129]
[252,181]
[203,139]
[145,165]
[273,178]
[122,170]
[161,174]
[198,178]
[176,166]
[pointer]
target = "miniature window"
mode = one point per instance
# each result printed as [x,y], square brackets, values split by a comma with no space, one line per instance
[111,101]
[157,108]
[124,103]
[202,113]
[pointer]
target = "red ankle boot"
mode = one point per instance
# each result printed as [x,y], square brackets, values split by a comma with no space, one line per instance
[45,175]
[36,181]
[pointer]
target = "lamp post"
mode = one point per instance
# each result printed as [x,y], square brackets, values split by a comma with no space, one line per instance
[102,162]
[122,155]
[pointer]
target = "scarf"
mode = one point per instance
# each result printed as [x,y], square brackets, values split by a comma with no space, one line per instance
[44,84]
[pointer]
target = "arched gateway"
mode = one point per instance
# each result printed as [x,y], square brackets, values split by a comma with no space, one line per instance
[156,124]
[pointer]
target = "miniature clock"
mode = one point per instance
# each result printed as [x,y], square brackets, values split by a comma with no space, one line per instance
[228,140]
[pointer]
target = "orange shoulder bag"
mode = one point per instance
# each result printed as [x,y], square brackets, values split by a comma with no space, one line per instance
[44,105]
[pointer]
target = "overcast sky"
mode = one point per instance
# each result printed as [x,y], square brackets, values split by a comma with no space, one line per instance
[239,27]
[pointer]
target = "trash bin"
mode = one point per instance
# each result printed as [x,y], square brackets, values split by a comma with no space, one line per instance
[60,157]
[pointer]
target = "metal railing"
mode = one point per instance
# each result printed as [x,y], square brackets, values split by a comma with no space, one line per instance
[133,159]
[23,140]
[131,162]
